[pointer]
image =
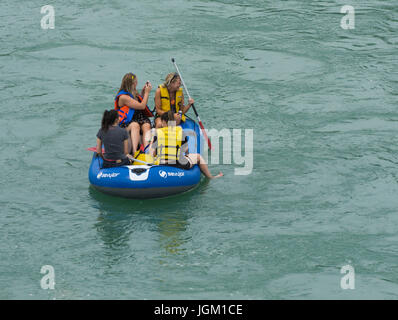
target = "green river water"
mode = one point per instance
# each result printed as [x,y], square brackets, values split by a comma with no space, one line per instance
[321,101]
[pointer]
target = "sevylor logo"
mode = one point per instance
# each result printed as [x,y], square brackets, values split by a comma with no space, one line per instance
[176,174]
[165,174]
[107,175]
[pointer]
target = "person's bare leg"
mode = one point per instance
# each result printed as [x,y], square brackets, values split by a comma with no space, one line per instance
[135,136]
[146,134]
[198,159]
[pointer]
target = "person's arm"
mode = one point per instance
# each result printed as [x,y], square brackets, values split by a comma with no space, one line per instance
[126,147]
[125,140]
[125,100]
[143,88]
[152,148]
[184,146]
[185,109]
[99,148]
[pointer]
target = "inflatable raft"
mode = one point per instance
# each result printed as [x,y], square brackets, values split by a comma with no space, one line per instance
[148,181]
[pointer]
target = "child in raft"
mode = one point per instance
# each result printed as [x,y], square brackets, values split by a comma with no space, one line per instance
[170,147]
[115,141]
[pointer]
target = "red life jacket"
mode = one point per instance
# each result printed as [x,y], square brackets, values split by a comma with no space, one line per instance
[126,113]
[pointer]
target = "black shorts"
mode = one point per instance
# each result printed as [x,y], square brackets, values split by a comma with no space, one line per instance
[140,118]
[185,166]
[112,164]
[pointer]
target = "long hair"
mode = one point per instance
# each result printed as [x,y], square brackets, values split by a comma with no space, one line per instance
[127,84]
[171,77]
[109,117]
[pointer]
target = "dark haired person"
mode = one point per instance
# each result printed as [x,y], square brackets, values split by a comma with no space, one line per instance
[171,149]
[115,141]
[133,110]
[169,96]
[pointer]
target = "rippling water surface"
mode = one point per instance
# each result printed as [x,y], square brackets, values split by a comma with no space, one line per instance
[323,191]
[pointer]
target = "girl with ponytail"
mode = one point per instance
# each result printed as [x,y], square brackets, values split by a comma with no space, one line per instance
[115,141]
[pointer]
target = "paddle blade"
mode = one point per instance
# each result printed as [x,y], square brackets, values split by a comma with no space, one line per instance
[94,149]
[205,135]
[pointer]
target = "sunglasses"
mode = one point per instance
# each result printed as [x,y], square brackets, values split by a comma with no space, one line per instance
[174,76]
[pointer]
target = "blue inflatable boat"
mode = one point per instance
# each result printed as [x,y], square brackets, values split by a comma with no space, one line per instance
[148,181]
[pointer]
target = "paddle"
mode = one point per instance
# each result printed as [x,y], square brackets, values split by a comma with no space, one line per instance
[193,107]
[94,149]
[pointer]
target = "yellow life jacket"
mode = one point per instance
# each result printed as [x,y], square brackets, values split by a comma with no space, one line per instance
[169,143]
[165,100]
